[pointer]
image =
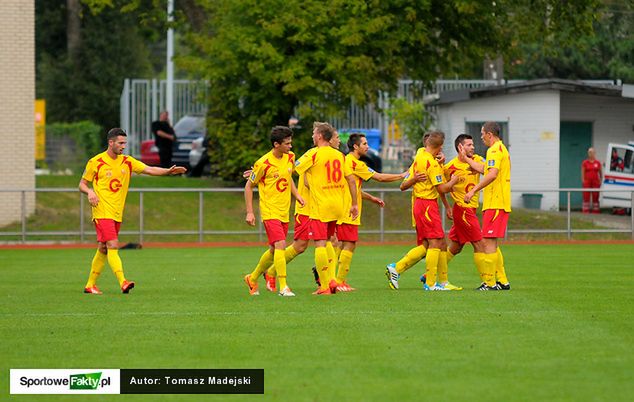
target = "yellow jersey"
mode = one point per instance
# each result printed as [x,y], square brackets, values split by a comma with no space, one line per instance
[362,173]
[472,178]
[326,180]
[110,180]
[424,162]
[273,178]
[302,188]
[497,195]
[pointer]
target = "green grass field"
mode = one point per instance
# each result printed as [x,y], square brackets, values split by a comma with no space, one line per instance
[564,332]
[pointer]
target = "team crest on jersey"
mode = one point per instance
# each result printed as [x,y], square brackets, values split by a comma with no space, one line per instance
[370,170]
[439,178]
[491,163]
[122,171]
[297,162]
[109,173]
[276,175]
[252,178]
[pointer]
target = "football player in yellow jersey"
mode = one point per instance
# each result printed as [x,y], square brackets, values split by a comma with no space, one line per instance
[105,182]
[302,233]
[496,206]
[348,228]
[466,227]
[328,180]
[272,173]
[427,179]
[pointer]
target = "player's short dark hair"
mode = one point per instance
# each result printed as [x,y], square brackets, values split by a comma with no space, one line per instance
[491,127]
[279,134]
[325,129]
[116,132]
[435,138]
[354,139]
[460,139]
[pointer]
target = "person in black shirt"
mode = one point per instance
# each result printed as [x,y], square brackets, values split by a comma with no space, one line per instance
[164,138]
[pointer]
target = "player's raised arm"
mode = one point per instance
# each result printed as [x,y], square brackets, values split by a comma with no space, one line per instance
[159,171]
[389,177]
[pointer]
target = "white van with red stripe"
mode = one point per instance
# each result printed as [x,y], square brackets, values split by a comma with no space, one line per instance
[618,174]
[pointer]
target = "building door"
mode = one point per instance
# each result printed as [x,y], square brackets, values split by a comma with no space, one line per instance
[574,140]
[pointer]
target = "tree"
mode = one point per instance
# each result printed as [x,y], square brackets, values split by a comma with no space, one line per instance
[83,57]
[605,52]
[266,60]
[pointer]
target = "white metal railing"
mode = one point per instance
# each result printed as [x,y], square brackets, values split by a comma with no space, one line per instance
[82,231]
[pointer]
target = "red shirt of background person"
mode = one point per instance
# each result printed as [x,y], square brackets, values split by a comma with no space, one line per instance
[591,177]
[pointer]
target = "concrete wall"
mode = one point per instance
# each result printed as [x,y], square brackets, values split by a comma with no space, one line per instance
[533,123]
[17,95]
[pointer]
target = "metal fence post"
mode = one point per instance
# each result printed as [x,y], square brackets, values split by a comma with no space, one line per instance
[141,217]
[568,217]
[82,236]
[200,216]
[382,220]
[23,214]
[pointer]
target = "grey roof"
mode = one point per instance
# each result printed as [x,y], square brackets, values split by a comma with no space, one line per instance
[557,84]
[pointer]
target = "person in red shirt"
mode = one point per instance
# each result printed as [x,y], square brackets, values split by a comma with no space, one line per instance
[591,176]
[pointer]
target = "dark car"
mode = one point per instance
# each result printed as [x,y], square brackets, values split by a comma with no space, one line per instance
[187,129]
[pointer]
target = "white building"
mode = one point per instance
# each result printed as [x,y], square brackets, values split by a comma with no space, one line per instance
[547,124]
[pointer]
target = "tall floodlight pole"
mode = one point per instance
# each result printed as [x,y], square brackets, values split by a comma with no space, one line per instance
[169,93]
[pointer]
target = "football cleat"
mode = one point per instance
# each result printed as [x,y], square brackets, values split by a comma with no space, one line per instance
[485,287]
[333,286]
[286,292]
[321,291]
[270,282]
[127,286]
[423,278]
[433,288]
[392,276]
[93,290]
[503,286]
[253,287]
[449,286]
[344,287]
[316,275]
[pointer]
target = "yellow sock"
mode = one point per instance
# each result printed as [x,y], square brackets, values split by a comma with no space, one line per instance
[412,257]
[344,266]
[478,259]
[337,251]
[500,272]
[332,261]
[279,261]
[449,256]
[443,269]
[431,265]
[321,262]
[116,265]
[265,261]
[490,263]
[98,262]
[289,254]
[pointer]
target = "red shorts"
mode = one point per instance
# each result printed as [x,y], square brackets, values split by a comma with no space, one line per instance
[494,223]
[466,228]
[276,230]
[347,232]
[107,229]
[428,222]
[322,230]
[302,228]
